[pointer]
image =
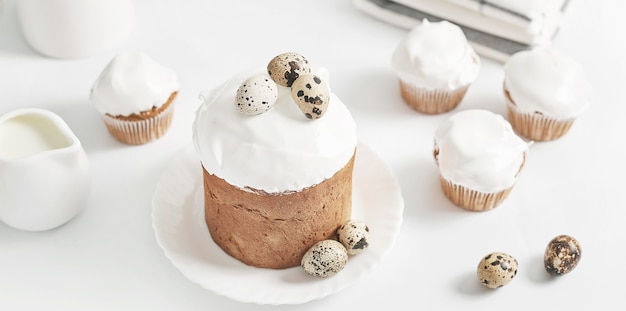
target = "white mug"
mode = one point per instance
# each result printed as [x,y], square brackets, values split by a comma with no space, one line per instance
[44,172]
[75,28]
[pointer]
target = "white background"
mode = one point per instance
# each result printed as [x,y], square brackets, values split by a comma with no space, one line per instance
[107,257]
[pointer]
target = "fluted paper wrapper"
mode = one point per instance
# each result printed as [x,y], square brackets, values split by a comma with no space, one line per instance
[138,132]
[472,200]
[431,101]
[536,126]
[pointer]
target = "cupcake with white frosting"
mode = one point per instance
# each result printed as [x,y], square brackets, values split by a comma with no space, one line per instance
[545,92]
[479,157]
[135,96]
[435,66]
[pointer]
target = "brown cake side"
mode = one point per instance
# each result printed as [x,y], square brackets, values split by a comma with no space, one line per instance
[275,230]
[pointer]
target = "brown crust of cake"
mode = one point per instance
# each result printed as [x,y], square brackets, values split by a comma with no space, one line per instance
[275,230]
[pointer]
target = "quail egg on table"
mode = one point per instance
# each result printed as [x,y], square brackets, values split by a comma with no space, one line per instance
[496,269]
[562,255]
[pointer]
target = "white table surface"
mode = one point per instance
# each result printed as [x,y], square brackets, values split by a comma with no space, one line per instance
[107,257]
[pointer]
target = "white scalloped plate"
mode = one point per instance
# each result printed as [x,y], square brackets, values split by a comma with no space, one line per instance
[178,221]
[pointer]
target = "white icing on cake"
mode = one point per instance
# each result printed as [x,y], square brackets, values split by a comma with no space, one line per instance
[543,80]
[436,56]
[277,151]
[479,150]
[132,83]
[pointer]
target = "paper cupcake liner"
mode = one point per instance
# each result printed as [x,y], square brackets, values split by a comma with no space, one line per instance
[431,101]
[137,132]
[472,200]
[536,126]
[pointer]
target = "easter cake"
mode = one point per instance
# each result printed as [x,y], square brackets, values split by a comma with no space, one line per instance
[277,150]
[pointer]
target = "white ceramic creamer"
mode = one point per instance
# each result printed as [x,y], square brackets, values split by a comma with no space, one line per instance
[44,172]
[75,28]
